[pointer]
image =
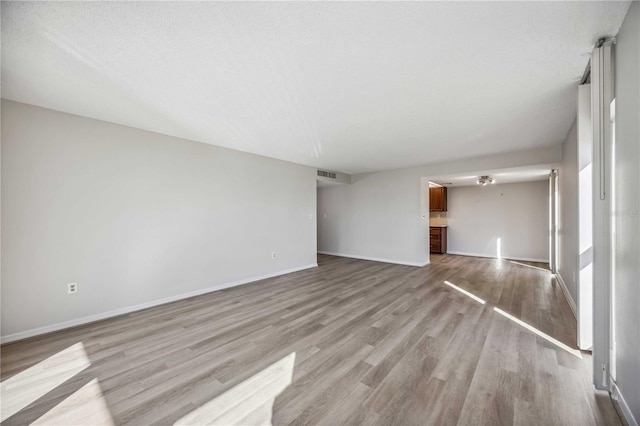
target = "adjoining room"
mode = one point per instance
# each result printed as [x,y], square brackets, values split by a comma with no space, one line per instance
[494,214]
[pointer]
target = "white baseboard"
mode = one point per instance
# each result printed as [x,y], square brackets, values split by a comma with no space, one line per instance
[624,407]
[114,313]
[567,295]
[376,259]
[525,259]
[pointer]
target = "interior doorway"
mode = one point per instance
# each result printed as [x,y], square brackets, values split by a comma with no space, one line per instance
[498,214]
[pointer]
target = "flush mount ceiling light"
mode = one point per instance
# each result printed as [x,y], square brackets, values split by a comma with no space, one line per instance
[483,180]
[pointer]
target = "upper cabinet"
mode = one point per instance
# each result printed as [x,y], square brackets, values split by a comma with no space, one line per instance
[438,199]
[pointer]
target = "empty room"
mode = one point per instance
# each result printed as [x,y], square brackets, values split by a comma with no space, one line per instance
[320,213]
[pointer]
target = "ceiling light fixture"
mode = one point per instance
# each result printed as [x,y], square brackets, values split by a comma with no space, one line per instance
[483,180]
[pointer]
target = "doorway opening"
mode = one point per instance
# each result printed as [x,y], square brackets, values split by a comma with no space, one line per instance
[498,214]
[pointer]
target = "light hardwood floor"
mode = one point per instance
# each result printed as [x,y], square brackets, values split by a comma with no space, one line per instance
[350,342]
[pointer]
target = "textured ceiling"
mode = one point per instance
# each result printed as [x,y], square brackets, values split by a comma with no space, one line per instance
[351,87]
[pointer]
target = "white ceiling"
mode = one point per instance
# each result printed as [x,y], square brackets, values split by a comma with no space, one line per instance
[525,174]
[351,87]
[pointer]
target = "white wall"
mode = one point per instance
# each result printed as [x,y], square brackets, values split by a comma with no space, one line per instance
[512,218]
[568,214]
[376,217]
[381,215]
[627,210]
[135,217]
[584,301]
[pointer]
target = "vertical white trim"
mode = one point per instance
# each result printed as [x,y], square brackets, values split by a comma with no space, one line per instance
[555,220]
[553,243]
[601,97]
[612,242]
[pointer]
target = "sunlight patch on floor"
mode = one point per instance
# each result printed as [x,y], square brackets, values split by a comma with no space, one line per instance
[465,292]
[22,389]
[248,403]
[534,330]
[545,336]
[530,266]
[86,406]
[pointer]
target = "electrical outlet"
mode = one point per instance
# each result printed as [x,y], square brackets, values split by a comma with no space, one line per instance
[273,255]
[72,288]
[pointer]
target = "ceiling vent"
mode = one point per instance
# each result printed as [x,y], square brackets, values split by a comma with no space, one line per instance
[329,175]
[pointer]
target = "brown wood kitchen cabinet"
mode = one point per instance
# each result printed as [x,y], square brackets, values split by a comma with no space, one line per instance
[438,199]
[438,239]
